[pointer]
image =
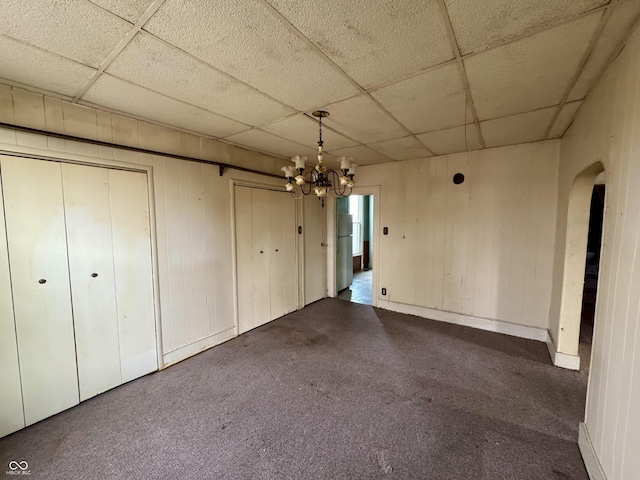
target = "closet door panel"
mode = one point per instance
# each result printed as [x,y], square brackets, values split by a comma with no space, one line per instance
[283,269]
[288,259]
[40,280]
[133,273]
[261,255]
[244,256]
[88,220]
[277,256]
[11,412]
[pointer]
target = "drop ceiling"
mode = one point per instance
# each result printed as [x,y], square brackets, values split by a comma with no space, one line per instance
[402,79]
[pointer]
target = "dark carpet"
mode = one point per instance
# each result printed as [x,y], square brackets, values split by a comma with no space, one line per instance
[335,391]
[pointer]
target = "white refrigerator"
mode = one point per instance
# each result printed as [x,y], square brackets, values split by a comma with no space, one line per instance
[344,252]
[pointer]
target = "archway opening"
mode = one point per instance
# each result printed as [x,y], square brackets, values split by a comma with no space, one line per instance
[578,267]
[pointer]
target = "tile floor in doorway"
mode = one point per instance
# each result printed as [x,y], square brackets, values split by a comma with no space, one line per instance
[360,290]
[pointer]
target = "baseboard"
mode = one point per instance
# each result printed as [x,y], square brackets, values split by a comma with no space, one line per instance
[182,353]
[591,462]
[562,360]
[498,326]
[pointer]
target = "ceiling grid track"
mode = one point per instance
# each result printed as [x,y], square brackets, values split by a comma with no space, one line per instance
[248,73]
[463,73]
[153,8]
[363,91]
[603,21]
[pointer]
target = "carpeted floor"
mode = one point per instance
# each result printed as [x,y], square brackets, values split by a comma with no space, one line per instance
[336,391]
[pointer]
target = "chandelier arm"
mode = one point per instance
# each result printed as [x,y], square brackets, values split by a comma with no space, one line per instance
[308,183]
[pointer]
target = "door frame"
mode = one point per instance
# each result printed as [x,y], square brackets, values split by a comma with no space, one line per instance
[374,192]
[64,157]
[563,343]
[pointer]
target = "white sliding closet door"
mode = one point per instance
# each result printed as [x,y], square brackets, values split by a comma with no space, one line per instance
[11,412]
[266,256]
[34,213]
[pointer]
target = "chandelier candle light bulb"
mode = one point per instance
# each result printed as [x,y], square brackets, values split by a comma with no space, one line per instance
[319,179]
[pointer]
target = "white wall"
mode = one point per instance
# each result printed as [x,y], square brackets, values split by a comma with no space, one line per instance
[483,248]
[607,129]
[192,204]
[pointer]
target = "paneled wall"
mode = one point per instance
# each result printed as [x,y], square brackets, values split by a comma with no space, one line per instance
[192,204]
[483,248]
[607,129]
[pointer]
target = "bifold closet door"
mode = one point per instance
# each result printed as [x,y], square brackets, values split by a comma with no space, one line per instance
[252,254]
[93,287]
[130,219]
[283,268]
[107,218]
[266,255]
[34,215]
[11,412]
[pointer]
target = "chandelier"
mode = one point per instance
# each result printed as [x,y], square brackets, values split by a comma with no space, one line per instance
[319,179]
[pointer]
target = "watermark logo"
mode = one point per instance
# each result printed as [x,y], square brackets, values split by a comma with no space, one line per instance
[18,468]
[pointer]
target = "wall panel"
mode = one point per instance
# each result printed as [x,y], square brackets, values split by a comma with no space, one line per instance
[607,129]
[476,248]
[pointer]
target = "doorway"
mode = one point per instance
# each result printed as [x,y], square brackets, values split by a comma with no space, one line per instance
[590,289]
[566,344]
[358,263]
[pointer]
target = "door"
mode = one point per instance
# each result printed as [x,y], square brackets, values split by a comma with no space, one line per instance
[34,213]
[80,271]
[314,250]
[107,220]
[266,255]
[11,413]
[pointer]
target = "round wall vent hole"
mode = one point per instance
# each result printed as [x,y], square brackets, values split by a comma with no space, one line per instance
[458,178]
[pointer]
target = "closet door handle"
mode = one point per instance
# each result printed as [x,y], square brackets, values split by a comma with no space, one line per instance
[94,275]
[42,280]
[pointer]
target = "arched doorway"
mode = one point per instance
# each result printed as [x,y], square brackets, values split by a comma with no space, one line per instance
[575,262]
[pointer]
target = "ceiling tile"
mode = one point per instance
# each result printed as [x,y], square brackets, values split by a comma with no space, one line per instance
[530,73]
[406,148]
[244,40]
[302,129]
[363,155]
[74,29]
[481,25]
[29,65]
[391,40]
[526,127]
[130,10]
[272,144]
[452,140]
[152,63]
[566,116]
[431,101]
[623,17]
[363,120]
[125,97]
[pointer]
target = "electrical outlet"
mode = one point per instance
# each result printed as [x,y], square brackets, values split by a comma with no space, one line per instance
[384,291]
